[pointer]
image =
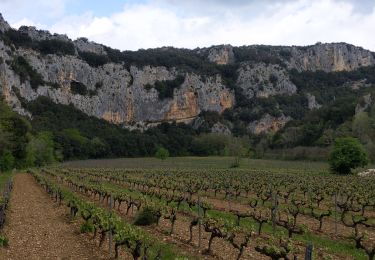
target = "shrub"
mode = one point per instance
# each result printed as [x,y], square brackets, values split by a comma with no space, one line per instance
[7,161]
[146,217]
[162,153]
[98,85]
[40,150]
[166,87]
[56,46]
[347,154]
[18,39]
[235,163]
[87,227]
[3,241]
[93,59]
[78,88]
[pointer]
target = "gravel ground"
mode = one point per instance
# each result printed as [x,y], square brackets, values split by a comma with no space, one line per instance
[39,229]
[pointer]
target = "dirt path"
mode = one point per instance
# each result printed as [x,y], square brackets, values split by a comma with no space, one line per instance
[39,229]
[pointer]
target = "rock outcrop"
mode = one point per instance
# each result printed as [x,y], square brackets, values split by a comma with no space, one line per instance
[264,80]
[40,35]
[268,124]
[311,102]
[4,26]
[367,173]
[84,45]
[329,57]
[365,103]
[220,128]
[221,55]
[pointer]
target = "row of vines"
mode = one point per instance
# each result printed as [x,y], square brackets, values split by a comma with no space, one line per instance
[252,214]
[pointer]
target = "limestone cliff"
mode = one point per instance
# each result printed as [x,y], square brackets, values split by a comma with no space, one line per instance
[221,55]
[268,123]
[329,57]
[125,87]
[263,80]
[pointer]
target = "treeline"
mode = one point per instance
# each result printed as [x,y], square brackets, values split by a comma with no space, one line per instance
[15,38]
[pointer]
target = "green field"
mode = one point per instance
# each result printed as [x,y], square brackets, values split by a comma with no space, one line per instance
[213,162]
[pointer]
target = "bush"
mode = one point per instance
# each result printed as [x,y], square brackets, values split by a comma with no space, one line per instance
[166,87]
[78,88]
[40,150]
[209,144]
[162,153]
[56,46]
[93,59]
[87,227]
[7,161]
[236,162]
[3,241]
[146,217]
[18,39]
[347,154]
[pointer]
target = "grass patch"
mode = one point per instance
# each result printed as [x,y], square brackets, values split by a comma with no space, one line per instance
[147,216]
[4,177]
[3,241]
[211,162]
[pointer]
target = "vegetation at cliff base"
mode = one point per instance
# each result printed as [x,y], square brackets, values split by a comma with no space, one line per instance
[347,154]
[162,153]
[21,145]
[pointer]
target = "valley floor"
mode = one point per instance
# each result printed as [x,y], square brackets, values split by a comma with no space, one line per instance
[195,162]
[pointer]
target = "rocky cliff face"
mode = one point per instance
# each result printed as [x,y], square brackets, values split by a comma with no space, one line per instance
[126,93]
[329,57]
[221,55]
[268,123]
[264,80]
[118,95]
[4,26]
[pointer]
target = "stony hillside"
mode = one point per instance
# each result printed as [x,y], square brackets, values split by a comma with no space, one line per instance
[243,85]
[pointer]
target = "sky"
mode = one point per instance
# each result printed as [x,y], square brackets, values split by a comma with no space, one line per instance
[136,24]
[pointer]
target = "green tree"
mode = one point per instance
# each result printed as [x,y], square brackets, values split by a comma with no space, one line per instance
[209,144]
[162,153]
[4,140]
[237,148]
[40,150]
[361,127]
[74,143]
[98,148]
[14,133]
[347,154]
[6,161]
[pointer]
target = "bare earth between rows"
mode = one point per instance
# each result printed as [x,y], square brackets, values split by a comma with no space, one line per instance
[39,229]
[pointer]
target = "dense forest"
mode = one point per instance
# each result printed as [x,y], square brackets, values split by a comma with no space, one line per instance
[20,145]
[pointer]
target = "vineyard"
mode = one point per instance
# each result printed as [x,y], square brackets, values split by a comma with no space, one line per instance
[218,214]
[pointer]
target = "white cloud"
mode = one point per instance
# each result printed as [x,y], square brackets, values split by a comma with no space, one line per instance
[193,23]
[32,12]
